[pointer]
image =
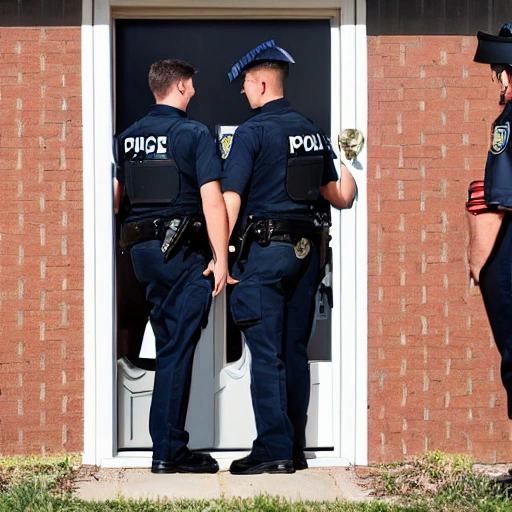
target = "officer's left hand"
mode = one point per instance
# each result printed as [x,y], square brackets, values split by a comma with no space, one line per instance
[220,274]
[209,269]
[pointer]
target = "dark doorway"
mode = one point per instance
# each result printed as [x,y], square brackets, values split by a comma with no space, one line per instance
[212,46]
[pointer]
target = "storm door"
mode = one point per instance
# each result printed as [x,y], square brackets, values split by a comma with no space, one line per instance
[220,412]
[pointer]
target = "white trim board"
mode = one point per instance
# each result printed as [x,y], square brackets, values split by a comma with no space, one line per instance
[349,110]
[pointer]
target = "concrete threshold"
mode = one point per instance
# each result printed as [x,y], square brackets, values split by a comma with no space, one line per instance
[313,484]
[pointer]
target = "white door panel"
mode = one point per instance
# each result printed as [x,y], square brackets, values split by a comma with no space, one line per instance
[220,414]
[134,390]
[235,425]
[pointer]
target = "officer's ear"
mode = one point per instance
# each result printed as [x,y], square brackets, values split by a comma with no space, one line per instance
[181,86]
[508,72]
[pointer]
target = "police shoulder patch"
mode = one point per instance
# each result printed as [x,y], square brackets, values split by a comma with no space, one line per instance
[500,138]
[225,145]
[225,138]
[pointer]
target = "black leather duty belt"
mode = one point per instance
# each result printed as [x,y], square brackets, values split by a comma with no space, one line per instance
[265,231]
[269,230]
[141,231]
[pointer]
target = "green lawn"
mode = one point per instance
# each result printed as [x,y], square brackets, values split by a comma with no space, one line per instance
[434,482]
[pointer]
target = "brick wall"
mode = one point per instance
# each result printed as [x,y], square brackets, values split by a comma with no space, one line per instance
[433,367]
[41,252]
[434,380]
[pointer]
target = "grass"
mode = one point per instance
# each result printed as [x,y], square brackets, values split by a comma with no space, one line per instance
[443,483]
[434,482]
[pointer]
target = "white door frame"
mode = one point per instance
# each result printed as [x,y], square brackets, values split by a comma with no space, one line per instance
[349,110]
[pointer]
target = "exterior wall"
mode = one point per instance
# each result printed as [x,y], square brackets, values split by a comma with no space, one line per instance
[436,17]
[38,13]
[41,242]
[433,367]
[434,379]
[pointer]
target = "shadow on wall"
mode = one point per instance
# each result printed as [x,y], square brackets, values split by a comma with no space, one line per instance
[40,13]
[436,17]
[383,17]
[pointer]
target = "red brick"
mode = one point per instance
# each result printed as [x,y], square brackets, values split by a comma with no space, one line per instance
[63,45]
[444,93]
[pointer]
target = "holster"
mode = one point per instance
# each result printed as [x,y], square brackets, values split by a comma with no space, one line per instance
[191,228]
[265,231]
[324,251]
[245,240]
[173,233]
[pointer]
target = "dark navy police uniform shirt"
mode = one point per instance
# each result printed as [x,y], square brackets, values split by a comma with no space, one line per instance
[256,165]
[166,132]
[498,169]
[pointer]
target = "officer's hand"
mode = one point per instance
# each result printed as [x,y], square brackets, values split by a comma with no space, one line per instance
[209,269]
[220,274]
[232,280]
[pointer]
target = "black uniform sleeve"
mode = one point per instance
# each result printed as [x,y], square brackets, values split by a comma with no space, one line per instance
[498,169]
[330,173]
[208,162]
[239,163]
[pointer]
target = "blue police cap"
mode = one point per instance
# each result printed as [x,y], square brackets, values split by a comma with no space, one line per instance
[264,52]
[493,49]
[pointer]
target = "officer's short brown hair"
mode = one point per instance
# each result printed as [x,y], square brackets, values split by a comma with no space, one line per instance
[163,74]
[281,67]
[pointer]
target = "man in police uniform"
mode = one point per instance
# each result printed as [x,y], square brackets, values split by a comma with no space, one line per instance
[280,178]
[489,204]
[168,166]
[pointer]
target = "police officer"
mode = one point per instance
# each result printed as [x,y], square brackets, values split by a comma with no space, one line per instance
[280,178]
[168,166]
[489,208]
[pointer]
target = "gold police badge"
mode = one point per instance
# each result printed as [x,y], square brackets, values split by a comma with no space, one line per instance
[225,145]
[500,138]
[302,248]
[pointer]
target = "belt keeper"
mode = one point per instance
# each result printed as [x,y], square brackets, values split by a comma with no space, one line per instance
[269,231]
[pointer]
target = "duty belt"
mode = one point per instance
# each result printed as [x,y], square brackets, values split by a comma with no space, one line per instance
[171,232]
[141,231]
[265,231]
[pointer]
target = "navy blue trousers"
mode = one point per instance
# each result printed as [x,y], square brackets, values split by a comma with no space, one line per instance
[181,298]
[496,288]
[273,305]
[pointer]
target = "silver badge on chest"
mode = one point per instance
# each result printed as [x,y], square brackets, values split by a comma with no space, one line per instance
[302,248]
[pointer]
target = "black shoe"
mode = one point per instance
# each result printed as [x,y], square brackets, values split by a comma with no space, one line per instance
[191,463]
[251,466]
[300,462]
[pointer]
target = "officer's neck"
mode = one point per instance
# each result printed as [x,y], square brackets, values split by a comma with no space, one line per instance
[268,99]
[173,100]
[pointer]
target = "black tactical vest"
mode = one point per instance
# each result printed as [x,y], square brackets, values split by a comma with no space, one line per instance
[151,175]
[305,167]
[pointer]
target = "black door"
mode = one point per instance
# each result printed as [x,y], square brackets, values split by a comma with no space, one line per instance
[212,46]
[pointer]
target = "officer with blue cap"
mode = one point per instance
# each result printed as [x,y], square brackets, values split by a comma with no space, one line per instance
[169,168]
[489,208]
[279,180]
